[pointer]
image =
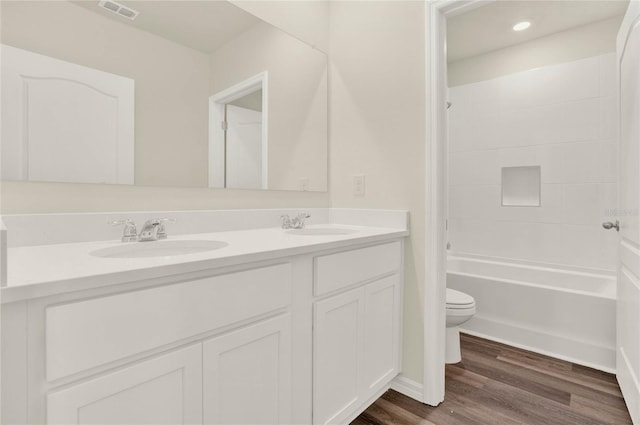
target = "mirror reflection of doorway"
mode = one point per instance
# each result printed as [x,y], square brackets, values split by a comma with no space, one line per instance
[243,142]
[238,132]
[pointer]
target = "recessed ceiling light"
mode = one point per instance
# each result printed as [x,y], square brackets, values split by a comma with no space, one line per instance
[521,26]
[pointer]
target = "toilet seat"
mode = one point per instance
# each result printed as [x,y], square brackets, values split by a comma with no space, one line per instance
[457,300]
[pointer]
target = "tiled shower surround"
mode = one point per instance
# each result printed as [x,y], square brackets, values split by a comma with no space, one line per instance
[559,117]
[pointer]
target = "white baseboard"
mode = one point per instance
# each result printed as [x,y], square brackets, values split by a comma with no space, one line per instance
[408,387]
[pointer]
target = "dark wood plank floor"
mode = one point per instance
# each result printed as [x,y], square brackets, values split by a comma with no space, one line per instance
[496,384]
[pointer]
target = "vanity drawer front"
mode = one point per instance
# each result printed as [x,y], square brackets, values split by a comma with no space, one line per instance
[89,333]
[336,271]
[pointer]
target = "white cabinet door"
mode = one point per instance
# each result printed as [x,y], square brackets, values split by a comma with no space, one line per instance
[356,348]
[337,359]
[162,390]
[381,333]
[247,375]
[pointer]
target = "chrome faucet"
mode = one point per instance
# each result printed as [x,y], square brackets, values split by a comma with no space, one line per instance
[130,233]
[296,222]
[154,230]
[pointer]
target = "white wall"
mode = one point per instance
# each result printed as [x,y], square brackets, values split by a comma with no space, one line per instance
[297,98]
[559,117]
[577,43]
[307,20]
[377,128]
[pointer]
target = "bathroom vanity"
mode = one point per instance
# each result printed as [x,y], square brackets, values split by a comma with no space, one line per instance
[270,326]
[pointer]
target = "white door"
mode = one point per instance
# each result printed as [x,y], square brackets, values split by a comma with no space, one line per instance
[63,122]
[162,390]
[337,356]
[244,148]
[247,375]
[628,304]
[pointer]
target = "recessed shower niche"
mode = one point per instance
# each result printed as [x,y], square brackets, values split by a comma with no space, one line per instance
[521,186]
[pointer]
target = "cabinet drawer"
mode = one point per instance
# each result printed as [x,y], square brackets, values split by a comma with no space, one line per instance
[336,271]
[89,333]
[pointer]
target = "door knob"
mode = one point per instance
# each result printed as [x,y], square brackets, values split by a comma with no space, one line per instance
[609,225]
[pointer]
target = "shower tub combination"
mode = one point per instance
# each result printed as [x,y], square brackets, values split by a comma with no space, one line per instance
[562,312]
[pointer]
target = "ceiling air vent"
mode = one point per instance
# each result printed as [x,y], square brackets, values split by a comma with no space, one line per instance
[118,9]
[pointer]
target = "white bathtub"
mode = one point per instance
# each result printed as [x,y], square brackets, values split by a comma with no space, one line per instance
[565,313]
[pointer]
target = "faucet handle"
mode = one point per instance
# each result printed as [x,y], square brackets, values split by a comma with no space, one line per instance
[298,221]
[154,229]
[130,233]
[162,233]
[286,221]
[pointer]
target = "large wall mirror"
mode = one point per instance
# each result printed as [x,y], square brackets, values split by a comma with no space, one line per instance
[159,93]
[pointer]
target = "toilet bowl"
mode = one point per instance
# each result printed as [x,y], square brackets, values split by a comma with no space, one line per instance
[460,308]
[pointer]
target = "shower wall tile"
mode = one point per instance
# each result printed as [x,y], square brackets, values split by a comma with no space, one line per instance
[610,161]
[552,243]
[561,118]
[483,92]
[474,167]
[474,127]
[608,78]
[579,121]
[548,124]
[590,246]
[608,201]
[517,91]
[582,162]
[581,203]
[576,80]
[549,211]
[484,202]
[554,123]
[552,84]
[608,117]
[548,157]
[474,201]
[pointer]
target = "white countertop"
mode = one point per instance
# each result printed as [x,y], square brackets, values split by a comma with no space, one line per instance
[44,270]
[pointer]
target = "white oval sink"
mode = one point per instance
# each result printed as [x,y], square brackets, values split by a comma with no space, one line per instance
[321,231]
[157,249]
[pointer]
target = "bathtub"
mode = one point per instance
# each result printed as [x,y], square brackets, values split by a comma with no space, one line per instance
[562,312]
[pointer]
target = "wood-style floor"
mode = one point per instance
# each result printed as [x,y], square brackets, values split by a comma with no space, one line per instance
[496,384]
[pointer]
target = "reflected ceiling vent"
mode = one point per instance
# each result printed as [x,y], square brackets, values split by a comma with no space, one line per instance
[118,9]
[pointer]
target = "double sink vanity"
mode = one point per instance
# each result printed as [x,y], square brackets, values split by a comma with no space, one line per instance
[167,317]
[225,318]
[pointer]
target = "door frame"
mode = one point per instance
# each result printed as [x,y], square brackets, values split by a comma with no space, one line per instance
[217,150]
[434,295]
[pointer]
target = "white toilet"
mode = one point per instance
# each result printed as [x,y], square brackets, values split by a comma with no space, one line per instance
[460,308]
